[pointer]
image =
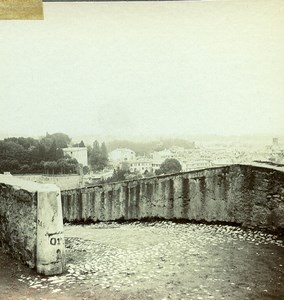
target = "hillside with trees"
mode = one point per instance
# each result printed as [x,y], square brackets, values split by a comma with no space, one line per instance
[20,155]
[141,148]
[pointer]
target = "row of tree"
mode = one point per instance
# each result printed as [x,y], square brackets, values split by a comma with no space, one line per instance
[44,155]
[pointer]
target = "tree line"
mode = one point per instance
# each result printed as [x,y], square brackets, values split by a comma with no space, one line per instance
[21,155]
[141,148]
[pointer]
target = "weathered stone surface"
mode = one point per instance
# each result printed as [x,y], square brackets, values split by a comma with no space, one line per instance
[249,195]
[50,247]
[31,225]
[18,222]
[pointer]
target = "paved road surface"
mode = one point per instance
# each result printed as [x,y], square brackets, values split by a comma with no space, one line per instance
[157,261]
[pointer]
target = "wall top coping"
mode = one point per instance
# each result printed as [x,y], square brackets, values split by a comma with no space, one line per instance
[46,175]
[263,165]
[200,171]
[30,186]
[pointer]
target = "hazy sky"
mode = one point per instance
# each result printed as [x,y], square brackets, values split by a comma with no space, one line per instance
[131,69]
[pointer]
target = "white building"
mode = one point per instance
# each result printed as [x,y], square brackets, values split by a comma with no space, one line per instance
[140,166]
[163,155]
[221,162]
[195,164]
[156,164]
[121,155]
[79,153]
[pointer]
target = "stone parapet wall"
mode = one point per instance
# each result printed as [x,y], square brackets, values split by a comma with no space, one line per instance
[31,225]
[251,196]
[18,217]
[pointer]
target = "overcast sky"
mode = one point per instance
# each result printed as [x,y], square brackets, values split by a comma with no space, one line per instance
[131,69]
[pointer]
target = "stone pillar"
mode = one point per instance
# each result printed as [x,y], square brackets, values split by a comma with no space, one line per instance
[50,246]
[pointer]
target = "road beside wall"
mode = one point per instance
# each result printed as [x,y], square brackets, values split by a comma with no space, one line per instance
[162,260]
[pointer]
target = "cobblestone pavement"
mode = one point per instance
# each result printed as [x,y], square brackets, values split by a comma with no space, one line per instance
[164,260]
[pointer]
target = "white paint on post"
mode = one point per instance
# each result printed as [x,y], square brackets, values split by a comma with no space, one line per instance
[50,253]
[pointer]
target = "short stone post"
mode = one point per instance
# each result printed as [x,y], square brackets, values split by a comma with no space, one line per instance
[50,248]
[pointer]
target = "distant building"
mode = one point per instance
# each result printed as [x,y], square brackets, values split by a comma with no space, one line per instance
[275,148]
[163,155]
[195,164]
[79,153]
[221,162]
[141,166]
[156,165]
[275,152]
[122,155]
[275,142]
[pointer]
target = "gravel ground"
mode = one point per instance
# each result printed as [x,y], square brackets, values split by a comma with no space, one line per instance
[162,260]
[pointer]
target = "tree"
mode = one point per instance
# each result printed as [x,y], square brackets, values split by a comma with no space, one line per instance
[53,166]
[24,142]
[27,155]
[170,165]
[25,169]
[86,170]
[96,146]
[51,154]
[62,165]
[158,172]
[41,152]
[59,153]
[98,158]
[125,166]
[62,140]
[104,154]
[148,174]
[132,176]
[81,144]
[118,175]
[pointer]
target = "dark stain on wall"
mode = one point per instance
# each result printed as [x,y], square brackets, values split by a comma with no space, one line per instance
[131,208]
[137,199]
[149,195]
[185,196]
[126,199]
[80,204]
[170,198]
[109,204]
[103,209]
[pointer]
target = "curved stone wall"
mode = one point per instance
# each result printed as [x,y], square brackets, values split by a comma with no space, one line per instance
[251,196]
